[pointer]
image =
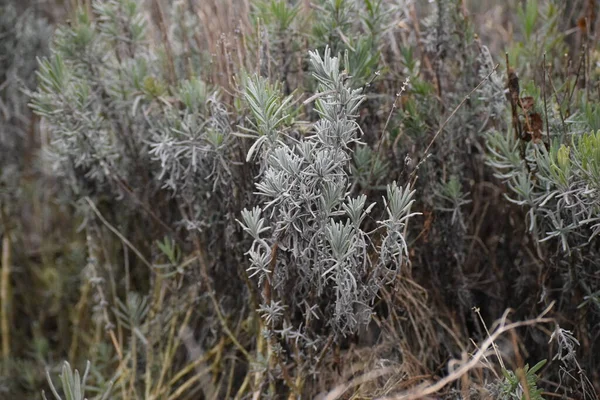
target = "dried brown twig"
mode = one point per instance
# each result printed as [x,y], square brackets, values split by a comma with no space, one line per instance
[426,389]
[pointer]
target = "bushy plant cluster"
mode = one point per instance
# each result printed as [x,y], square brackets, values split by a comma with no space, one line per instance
[99,68]
[317,231]
[560,193]
[291,199]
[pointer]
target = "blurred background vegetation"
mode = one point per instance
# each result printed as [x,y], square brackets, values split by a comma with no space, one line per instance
[133,133]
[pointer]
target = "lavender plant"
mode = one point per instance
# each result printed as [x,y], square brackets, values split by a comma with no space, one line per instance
[82,89]
[192,141]
[317,249]
[354,27]
[557,186]
[549,171]
[124,132]
[73,386]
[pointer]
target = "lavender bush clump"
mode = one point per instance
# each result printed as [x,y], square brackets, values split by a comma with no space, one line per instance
[83,89]
[192,141]
[317,249]
[562,202]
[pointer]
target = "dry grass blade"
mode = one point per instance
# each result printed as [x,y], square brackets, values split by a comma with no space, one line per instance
[343,388]
[425,390]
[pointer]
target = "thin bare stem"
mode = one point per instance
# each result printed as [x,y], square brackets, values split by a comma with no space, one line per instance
[5,298]
[116,232]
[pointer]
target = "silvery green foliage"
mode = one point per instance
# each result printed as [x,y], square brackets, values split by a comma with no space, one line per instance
[586,118]
[91,93]
[73,385]
[308,240]
[561,193]
[23,37]
[452,199]
[368,168]
[355,27]
[270,113]
[192,141]
[394,248]
[106,96]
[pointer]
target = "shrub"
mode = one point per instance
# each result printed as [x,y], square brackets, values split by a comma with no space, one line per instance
[318,249]
[293,199]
